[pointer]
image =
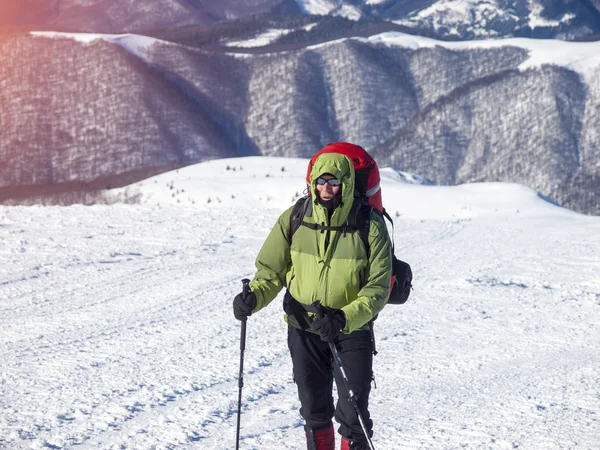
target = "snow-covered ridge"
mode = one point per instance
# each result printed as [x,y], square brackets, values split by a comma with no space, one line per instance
[135,44]
[582,57]
[275,183]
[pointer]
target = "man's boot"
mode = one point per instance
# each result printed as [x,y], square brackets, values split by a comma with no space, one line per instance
[354,445]
[321,439]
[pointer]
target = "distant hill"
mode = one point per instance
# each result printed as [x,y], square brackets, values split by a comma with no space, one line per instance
[120,108]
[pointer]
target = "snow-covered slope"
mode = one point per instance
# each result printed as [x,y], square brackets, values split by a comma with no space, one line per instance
[117,328]
[276,182]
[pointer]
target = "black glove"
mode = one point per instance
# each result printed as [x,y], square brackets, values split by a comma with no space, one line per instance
[243,306]
[330,324]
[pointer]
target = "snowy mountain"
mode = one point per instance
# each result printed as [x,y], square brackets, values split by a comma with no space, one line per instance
[122,107]
[474,19]
[442,19]
[117,329]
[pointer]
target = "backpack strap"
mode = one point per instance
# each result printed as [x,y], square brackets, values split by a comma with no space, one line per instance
[387,216]
[302,208]
[360,210]
[363,223]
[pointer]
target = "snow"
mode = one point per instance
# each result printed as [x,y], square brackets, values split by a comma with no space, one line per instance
[447,15]
[117,330]
[349,12]
[260,40]
[317,7]
[536,19]
[265,38]
[334,7]
[451,10]
[582,57]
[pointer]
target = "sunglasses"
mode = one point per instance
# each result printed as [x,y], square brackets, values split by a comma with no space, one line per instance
[333,182]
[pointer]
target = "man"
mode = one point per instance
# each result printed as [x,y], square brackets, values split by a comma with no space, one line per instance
[324,262]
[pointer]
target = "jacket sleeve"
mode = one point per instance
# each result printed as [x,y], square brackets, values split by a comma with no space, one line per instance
[375,292]
[272,263]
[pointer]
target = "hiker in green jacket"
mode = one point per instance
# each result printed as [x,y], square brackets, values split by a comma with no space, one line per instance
[326,261]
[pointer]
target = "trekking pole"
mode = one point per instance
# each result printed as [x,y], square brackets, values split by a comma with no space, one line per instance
[245,291]
[351,396]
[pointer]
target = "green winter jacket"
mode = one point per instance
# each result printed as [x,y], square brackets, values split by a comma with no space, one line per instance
[339,276]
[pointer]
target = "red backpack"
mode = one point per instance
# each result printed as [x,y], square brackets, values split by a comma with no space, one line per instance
[367,193]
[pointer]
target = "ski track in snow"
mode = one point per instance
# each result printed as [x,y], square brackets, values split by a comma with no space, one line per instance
[117,332]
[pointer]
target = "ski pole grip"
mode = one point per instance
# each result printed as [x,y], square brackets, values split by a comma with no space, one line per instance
[245,293]
[245,288]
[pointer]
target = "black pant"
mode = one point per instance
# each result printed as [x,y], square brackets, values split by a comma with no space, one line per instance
[314,372]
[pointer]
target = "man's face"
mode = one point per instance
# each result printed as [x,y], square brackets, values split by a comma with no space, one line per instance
[325,189]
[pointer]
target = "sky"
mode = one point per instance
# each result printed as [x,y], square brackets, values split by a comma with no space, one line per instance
[118,332]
